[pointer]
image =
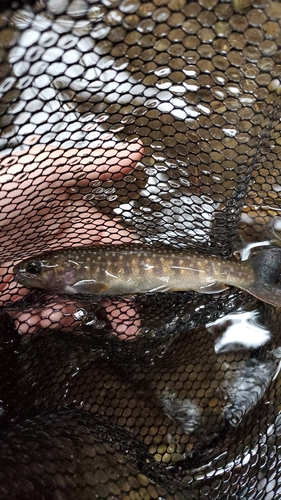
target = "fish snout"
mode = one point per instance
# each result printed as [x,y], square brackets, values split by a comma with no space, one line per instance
[33,274]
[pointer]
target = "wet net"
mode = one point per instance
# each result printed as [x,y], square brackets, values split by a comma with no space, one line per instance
[133,121]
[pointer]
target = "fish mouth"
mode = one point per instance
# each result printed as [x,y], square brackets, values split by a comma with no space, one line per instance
[27,280]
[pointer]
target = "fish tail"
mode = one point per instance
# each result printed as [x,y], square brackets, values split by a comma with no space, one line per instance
[266,286]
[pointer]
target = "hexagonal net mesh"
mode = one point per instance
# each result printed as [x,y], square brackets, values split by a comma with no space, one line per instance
[139,122]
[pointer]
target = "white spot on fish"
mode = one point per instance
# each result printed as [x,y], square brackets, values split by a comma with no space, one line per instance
[147,266]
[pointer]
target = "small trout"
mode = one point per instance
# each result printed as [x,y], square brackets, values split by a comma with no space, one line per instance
[131,269]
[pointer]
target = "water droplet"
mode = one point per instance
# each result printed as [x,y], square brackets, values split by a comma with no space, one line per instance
[79,314]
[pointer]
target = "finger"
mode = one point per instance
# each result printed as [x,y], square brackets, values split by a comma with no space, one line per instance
[56,316]
[124,318]
[104,160]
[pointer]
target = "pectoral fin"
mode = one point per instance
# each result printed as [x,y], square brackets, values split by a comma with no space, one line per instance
[88,287]
[267,293]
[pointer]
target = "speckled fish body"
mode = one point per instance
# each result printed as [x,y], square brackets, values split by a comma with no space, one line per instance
[130,269]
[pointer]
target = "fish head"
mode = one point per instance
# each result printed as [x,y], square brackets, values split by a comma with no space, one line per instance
[48,274]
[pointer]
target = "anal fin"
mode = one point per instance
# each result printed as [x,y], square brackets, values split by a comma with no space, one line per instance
[212,288]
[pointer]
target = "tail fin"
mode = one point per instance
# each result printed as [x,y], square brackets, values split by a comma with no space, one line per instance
[266,286]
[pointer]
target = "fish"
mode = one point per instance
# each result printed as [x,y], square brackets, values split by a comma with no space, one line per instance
[129,269]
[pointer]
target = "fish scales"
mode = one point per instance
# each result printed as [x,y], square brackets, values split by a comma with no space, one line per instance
[130,269]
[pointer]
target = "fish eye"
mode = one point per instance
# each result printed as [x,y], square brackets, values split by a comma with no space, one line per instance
[33,267]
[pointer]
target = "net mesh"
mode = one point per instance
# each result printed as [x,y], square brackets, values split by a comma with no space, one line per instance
[133,121]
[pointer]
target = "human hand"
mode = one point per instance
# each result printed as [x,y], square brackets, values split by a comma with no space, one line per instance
[42,207]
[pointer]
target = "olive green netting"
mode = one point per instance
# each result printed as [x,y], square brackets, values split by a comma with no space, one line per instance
[135,121]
